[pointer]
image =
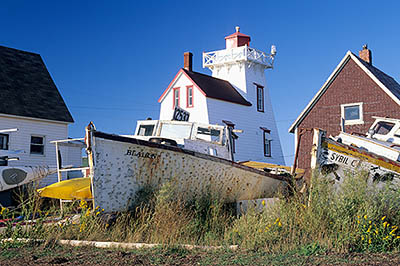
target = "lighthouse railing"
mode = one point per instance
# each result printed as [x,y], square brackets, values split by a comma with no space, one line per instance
[232,55]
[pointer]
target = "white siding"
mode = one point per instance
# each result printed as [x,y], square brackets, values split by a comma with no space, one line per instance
[235,74]
[242,75]
[21,139]
[250,145]
[198,113]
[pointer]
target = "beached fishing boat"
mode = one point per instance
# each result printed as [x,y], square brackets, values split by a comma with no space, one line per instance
[377,152]
[196,158]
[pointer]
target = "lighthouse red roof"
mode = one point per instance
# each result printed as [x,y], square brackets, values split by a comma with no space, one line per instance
[237,39]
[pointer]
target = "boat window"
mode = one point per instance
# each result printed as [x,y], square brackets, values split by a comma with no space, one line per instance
[382,128]
[176,131]
[397,133]
[212,151]
[209,134]
[146,130]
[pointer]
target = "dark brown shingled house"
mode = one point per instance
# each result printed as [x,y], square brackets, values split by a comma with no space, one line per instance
[27,89]
[355,91]
[32,111]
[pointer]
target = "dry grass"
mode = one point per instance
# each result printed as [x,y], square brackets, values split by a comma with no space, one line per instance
[343,220]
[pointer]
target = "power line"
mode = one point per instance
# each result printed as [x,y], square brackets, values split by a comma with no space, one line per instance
[112,108]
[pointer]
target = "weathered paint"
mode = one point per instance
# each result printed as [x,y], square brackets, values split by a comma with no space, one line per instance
[336,160]
[121,166]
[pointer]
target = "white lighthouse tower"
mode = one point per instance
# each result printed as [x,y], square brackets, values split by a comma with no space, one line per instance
[236,94]
[244,67]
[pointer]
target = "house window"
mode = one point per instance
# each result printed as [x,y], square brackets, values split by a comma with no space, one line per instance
[3,142]
[176,97]
[37,145]
[352,113]
[267,141]
[260,98]
[189,93]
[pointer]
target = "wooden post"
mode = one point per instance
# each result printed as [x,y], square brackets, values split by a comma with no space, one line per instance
[315,152]
[59,174]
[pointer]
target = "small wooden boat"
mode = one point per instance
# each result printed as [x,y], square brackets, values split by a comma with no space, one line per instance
[195,158]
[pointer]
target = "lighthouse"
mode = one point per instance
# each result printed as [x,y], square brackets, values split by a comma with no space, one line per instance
[235,94]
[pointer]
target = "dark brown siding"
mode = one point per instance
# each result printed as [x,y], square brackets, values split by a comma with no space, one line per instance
[351,85]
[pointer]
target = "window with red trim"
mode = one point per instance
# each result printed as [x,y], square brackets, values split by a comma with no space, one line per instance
[176,97]
[260,98]
[189,96]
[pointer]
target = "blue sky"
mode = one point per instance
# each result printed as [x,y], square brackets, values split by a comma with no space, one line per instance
[111,60]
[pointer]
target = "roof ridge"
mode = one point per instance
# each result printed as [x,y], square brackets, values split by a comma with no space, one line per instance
[370,65]
[15,49]
[206,75]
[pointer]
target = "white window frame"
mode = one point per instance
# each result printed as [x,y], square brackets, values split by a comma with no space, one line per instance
[176,97]
[354,121]
[44,145]
[189,96]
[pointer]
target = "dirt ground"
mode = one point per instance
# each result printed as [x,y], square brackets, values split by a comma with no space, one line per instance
[66,255]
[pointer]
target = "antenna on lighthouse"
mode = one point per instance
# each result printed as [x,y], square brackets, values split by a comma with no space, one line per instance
[273,50]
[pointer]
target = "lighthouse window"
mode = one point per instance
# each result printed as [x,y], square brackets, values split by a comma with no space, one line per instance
[267,141]
[260,98]
[190,96]
[176,97]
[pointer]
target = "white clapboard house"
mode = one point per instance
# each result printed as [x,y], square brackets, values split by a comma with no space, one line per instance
[236,94]
[32,114]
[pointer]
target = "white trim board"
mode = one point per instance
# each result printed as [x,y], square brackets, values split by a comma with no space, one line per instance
[35,119]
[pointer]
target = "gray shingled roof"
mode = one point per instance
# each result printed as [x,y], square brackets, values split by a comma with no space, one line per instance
[217,88]
[27,89]
[386,80]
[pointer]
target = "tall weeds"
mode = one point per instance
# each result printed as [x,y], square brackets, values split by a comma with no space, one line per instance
[340,218]
[357,216]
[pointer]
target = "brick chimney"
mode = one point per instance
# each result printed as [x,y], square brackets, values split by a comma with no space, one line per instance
[187,61]
[366,54]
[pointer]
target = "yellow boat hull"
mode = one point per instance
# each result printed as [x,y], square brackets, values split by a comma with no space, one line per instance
[73,189]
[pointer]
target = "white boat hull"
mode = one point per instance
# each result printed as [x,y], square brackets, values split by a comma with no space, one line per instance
[121,166]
